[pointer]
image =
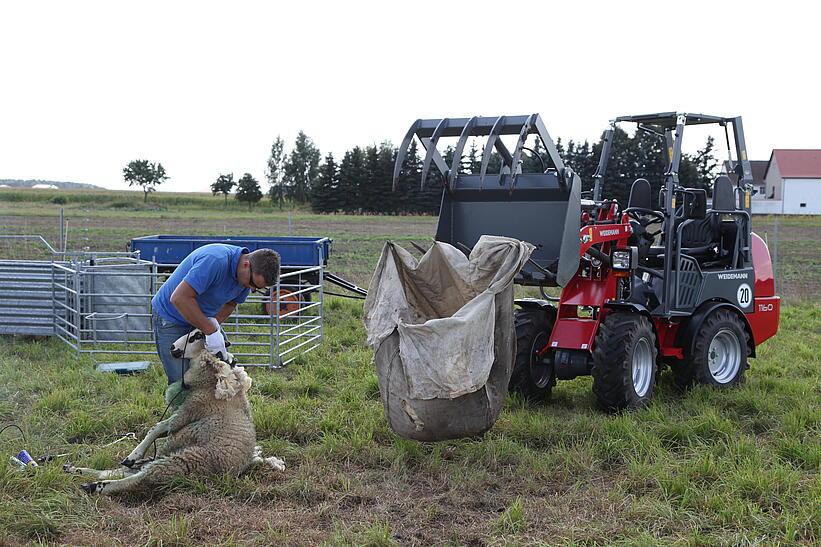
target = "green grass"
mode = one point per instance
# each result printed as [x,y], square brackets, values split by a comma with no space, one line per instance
[705,467]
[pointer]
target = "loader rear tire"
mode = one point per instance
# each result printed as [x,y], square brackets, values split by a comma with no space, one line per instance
[624,362]
[531,377]
[719,353]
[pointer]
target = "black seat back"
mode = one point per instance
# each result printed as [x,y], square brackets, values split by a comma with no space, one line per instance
[640,195]
[723,194]
[700,234]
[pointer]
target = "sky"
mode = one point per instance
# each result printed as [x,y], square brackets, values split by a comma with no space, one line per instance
[205,87]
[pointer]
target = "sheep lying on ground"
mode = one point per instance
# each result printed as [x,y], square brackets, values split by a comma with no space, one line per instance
[211,431]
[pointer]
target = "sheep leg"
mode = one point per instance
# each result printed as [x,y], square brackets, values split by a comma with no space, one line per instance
[160,429]
[191,460]
[271,461]
[96,473]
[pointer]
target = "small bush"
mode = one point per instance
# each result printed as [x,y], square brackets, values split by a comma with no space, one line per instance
[59,200]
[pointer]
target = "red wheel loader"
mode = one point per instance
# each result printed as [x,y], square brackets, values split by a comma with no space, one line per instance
[669,281]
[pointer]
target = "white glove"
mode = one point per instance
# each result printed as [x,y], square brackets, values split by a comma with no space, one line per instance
[215,342]
[214,322]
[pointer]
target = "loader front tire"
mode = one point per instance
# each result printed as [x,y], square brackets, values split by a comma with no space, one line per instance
[624,362]
[531,376]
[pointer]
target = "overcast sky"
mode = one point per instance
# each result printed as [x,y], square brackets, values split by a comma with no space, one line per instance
[204,87]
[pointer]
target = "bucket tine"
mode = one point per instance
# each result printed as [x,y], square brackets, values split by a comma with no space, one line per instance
[460,147]
[491,139]
[549,146]
[403,151]
[431,149]
[437,158]
[517,152]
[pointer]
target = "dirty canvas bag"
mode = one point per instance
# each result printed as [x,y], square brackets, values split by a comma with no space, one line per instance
[443,335]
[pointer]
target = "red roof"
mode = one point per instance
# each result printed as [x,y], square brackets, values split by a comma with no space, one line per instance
[798,164]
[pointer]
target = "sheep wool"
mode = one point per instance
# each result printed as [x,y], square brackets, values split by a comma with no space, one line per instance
[211,432]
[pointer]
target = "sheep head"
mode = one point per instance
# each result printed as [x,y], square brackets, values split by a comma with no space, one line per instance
[208,371]
[192,344]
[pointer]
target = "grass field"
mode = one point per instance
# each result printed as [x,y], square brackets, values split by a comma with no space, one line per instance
[704,467]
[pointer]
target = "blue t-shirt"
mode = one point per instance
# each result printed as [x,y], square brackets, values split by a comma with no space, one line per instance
[211,270]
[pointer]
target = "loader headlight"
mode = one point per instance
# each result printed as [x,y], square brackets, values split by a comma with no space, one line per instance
[624,259]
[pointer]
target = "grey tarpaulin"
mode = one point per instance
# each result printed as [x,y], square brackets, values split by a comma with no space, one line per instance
[443,334]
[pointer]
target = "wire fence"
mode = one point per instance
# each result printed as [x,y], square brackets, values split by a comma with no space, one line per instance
[795,253]
[99,304]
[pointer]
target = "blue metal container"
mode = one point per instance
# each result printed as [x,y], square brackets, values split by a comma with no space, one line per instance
[24,457]
[294,251]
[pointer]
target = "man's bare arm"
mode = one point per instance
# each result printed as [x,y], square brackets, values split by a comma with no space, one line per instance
[225,312]
[184,298]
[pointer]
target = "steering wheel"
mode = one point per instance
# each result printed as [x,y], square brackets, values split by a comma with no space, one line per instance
[640,215]
[637,213]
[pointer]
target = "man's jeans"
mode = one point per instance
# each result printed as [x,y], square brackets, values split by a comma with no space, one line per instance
[165,334]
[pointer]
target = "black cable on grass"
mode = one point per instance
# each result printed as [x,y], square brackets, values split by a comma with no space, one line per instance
[182,389]
[174,398]
[17,427]
[345,295]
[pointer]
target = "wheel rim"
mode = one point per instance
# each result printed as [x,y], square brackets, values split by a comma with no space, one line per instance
[724,356]
[642,367]
[540,373]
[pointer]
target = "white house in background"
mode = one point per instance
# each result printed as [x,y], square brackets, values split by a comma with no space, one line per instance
[44,187]
[792,184]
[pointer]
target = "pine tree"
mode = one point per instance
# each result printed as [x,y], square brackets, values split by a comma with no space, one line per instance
[301,168]
[324,196]
[706,164]
[407,186]
[275,171]
[474,159]
[248,190]
[351,180]
[531,158]
[382,179]
[369,198]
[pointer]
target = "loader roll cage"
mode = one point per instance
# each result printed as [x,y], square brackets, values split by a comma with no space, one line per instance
[670,127]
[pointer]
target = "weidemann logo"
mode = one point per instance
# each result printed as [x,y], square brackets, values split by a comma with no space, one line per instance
[605,233]
[733,276]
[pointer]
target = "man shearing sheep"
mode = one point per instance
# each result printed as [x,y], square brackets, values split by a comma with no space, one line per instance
[203,292]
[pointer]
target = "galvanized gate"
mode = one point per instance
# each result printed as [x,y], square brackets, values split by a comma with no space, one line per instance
[100,305]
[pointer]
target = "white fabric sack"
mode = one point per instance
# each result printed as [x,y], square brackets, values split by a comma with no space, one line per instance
[444,310]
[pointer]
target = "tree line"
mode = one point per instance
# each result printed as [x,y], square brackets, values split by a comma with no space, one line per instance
[361,182]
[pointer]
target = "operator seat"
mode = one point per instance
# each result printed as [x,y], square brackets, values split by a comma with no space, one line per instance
[698,237]
[640,196]
[723,195]
[724,200]
[712,237]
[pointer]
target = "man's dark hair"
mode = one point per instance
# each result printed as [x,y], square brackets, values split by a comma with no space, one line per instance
[265,262]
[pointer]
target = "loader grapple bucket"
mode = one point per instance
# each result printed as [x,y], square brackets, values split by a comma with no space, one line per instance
[541,208]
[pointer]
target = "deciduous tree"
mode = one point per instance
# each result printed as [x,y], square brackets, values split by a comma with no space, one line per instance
[144,174]
[223,185]
[248,190]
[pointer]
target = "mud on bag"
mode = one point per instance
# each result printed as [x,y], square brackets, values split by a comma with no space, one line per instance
[443,335]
